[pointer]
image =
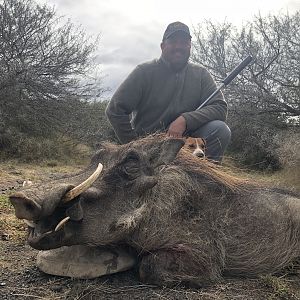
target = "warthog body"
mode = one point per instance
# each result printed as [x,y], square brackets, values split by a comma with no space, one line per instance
[186,219]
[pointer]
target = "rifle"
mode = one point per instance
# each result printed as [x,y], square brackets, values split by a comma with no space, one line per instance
[229,78]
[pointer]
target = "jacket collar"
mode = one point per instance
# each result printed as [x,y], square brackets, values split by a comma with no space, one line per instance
[162,61]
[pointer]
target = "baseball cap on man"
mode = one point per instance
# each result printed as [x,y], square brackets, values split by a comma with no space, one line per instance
[175,27]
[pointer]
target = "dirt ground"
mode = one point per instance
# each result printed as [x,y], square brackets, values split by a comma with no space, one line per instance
[21,279]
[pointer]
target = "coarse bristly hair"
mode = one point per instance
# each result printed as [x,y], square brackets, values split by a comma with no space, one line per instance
[213,222]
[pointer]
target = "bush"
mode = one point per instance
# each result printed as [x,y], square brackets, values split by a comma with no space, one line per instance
[289,157]
[288,151]
[15,145]
[85,126]
[253,141]
[88,124]
[47,66]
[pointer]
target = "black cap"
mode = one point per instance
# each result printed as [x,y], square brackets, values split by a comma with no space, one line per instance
[175,27]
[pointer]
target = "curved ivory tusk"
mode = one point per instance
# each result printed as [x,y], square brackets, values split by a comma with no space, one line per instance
[27,183]
[29,223]
[61,223]
[77,190]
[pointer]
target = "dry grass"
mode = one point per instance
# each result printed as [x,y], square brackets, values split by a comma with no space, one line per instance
[289,157]
[287,178]
[13,170]
[10,227]
[280,287]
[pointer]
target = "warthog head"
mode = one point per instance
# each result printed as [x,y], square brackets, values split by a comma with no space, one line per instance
[100,205]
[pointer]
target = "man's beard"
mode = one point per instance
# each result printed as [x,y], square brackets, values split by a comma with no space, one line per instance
[179,64]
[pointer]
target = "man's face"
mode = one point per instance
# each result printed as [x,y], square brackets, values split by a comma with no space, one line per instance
[176,50]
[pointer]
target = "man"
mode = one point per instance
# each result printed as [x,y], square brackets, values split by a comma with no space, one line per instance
[164,94]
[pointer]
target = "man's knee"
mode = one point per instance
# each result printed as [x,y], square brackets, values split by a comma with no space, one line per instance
[215,128]
[223,131]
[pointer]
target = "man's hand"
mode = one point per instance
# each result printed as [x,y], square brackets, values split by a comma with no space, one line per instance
[177,128]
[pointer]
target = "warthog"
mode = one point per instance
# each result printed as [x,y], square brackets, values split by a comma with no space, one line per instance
[186,220]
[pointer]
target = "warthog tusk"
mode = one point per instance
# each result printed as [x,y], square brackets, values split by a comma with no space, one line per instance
[27,183]
[61,223]
[48,232]
[29,223]
[79,189]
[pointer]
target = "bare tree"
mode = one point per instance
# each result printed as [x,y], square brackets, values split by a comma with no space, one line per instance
[46,65]
[271,84]
[265,98]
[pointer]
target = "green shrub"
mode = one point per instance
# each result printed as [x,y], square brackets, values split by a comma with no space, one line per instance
[253,140]
[83,127]
[38,149]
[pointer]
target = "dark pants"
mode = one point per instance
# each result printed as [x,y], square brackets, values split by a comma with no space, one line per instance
[217,137]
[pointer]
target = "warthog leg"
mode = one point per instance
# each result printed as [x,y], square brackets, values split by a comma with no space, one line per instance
[173,267]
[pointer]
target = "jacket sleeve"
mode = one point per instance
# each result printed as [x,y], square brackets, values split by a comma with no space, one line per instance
[123,103]
[216,109]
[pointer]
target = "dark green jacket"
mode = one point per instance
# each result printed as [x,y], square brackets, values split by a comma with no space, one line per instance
[153,96]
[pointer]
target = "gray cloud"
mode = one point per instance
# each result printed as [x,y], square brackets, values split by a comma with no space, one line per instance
[123,50]
[293,5]
[123,43]
[131,31]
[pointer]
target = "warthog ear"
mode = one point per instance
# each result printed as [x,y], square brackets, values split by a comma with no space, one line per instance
[165,151]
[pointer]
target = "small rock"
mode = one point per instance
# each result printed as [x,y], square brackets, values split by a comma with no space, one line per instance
[16,172]
[56,288]
[5,236]
[2,283]
[27,183]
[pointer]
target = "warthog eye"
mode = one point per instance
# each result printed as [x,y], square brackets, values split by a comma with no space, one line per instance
[131,166]
[131,169]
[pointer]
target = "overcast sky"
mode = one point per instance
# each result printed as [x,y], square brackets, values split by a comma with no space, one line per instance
[131,30]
